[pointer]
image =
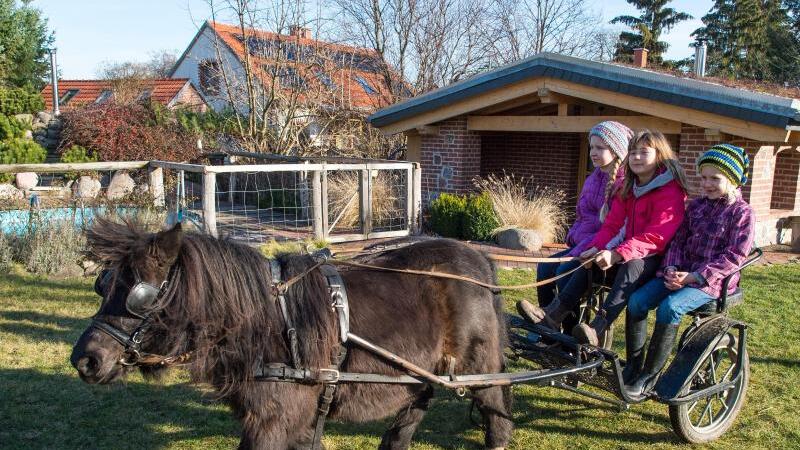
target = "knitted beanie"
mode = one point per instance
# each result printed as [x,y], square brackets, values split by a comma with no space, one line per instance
[729,159]
[615,135]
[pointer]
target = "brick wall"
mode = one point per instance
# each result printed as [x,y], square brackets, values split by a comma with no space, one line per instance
[551,159]
[450,159]
[784,188]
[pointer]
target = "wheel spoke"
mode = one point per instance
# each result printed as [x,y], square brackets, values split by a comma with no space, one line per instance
[691,407]
[713,370]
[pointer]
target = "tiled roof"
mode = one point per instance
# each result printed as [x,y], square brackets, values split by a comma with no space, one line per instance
[163,90]
[347,83]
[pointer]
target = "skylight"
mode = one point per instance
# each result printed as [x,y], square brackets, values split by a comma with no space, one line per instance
[367,88]
[68,96]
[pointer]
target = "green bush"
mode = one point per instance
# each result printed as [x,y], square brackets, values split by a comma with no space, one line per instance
[20,101]
[52,247]
[447,215]
[20,151]
[78,154]
[479,218]
[11,128]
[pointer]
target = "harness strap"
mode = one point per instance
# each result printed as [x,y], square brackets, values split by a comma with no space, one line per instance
[280,292]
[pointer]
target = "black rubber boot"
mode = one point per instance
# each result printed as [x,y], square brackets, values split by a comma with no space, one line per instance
[635,338]
[657,353]
[551,315]
[590,334]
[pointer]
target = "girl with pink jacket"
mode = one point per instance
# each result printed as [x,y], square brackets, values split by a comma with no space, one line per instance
[649,207]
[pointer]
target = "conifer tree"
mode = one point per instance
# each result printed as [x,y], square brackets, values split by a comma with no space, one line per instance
[646,29]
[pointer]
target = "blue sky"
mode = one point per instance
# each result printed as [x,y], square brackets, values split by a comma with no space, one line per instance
[90,32]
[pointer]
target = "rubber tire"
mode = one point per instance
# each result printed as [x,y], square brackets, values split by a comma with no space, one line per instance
[678,414]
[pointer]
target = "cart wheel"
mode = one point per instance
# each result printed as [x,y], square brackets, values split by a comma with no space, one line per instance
[707,418]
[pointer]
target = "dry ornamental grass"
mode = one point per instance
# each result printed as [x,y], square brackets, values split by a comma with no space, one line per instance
[519,203]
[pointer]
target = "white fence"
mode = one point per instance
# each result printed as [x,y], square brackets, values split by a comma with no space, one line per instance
[335,202]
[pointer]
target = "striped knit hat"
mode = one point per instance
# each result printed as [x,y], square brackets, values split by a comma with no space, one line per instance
[729,159]
[616,135]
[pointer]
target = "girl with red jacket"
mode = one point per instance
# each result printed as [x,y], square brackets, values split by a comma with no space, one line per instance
[647,212]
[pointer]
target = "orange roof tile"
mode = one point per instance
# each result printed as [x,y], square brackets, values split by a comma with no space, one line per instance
[351,85]
[163,90]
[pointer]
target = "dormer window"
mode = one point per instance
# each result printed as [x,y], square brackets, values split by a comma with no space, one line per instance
[104,96]
[68,96]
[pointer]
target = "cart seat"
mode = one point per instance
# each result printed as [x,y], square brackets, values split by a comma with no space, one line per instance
[719,305]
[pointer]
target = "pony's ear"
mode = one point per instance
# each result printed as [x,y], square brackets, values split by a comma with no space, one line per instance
[168,245]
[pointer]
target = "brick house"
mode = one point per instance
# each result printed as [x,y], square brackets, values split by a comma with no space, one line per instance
[531,118]
[169,92]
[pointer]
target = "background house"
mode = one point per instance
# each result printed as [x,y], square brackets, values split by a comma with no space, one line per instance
[294,75]
[532,117]
[169,92]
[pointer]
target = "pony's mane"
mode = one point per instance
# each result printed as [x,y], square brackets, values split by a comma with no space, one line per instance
[220,304]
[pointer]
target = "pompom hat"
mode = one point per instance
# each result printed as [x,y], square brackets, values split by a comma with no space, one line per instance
[729,159]
[615,135]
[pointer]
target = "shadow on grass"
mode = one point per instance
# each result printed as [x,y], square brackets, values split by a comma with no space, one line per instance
[41,411]
[15,281]
[43,327]
[788,363]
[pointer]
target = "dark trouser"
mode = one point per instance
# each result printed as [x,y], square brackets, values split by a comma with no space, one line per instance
[547,293]
[628,277]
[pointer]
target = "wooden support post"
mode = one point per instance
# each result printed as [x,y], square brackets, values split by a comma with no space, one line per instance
[316,189]
[324,201]
[210,203]
[563,109]
[156,181]
[416,201]
[366,201]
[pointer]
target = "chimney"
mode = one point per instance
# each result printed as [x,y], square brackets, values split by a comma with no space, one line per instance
[700,58]
[300,32]
[640,57]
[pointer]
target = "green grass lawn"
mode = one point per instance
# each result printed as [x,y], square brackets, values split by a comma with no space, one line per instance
[43,405]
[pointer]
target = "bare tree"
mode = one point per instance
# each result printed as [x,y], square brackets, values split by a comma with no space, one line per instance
[527,27]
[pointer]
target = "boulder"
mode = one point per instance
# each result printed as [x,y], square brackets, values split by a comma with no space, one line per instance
[121,185]
[520,239]
[27,180]
[44,116]
[9,192]
[86,187]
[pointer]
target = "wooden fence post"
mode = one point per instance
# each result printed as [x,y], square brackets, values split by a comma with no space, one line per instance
[209,203]
[156,180]
[416,199]
[316,189]
[324,200]
[366,201]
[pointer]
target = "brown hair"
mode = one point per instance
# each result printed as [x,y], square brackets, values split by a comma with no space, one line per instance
[665,157]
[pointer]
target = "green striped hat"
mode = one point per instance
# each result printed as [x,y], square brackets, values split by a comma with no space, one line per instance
[731,160]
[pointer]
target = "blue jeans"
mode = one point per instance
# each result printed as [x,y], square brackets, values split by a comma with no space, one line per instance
[545,271]
[672,305]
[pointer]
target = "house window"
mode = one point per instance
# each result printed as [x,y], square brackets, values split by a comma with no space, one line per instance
[364,85]
[290,78]
[326,81]
[209,75]
[68,96]
[104,96]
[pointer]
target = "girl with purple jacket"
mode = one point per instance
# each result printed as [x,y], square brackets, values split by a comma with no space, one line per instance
[608,147]
[713,241]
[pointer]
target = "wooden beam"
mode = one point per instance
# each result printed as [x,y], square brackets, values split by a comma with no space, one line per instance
[566,124]
[428,130]
[512,104]
[736,127]
[67,167]
[548,96]
[563,109]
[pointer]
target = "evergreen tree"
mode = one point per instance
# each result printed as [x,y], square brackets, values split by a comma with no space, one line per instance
[750,39]
[24,39]
[655,19]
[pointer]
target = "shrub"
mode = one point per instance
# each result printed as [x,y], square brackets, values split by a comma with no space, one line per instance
[447,215]
[343,189]
[480,220]
[520,204]
[11,128]
[20,151]
[78,154]
[20,101]
[126,132]
[52,247]
[6,253]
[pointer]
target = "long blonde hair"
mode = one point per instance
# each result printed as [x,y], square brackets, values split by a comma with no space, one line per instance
[665,157]
[612,179]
